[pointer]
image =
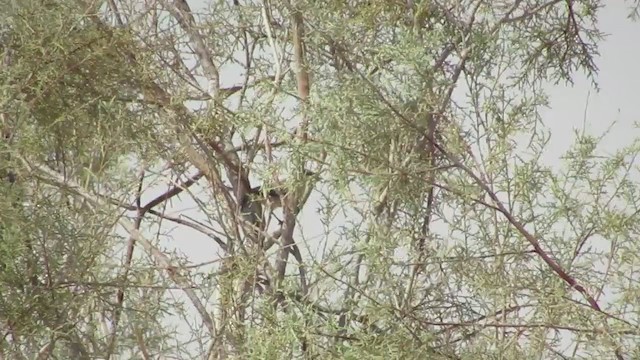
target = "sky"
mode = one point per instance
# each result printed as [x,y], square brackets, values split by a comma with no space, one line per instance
[618,100]
[619,80]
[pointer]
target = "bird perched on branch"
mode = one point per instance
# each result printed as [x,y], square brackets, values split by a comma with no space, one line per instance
[256,199]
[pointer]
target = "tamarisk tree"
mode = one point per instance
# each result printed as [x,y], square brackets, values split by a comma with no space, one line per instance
[307,179]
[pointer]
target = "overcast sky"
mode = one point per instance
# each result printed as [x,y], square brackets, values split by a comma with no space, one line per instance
[619,79]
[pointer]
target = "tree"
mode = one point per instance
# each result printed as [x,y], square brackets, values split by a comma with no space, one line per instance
[407,135]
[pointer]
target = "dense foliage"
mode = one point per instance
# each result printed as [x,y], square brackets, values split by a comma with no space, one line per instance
[368,173]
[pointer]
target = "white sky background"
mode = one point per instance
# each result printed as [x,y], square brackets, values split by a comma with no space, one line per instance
[618,100]
[619,96]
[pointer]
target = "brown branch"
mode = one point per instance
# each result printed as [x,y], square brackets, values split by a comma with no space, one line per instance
[594,330]
[292,203]
[174,191]
[302,74]
[127,267]
[182,12]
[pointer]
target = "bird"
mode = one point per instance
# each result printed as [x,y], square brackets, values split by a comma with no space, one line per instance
[257,198]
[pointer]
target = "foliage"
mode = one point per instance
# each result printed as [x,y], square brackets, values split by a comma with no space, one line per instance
[407,133]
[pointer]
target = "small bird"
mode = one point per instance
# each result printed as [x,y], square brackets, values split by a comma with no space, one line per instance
[254,201]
